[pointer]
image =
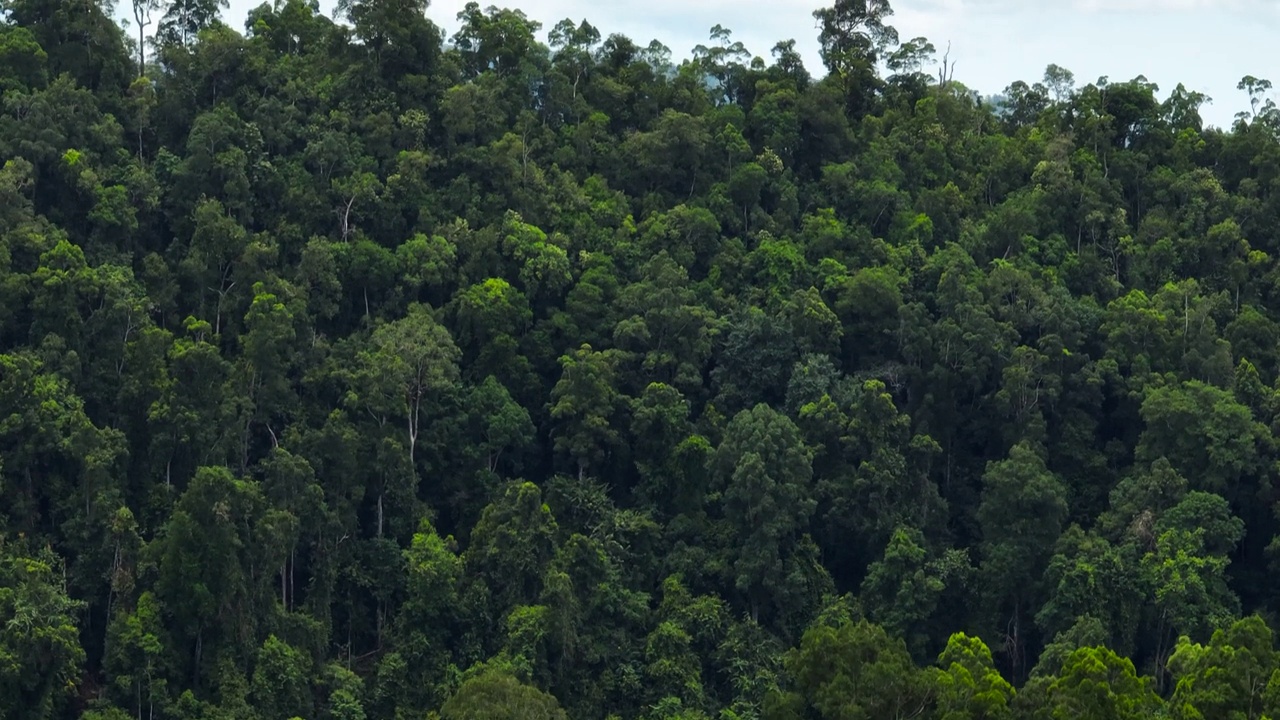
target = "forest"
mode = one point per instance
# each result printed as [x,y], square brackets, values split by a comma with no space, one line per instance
[355,370]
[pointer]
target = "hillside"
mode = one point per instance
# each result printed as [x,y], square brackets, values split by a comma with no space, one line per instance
[351,371]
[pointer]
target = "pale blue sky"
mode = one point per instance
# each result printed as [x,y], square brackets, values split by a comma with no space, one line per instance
[1208,45]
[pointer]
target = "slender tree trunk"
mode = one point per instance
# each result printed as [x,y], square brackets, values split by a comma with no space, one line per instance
[195,672]
[413,431]
[381,619]
[142,15]
[111,598]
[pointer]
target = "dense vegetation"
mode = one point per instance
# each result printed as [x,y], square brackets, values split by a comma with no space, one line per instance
[351,371]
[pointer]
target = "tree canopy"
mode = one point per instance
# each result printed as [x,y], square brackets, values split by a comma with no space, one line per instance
[350,370]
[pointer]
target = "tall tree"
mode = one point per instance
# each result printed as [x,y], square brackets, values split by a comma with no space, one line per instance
[853,39]
[764,473]
[40,653]
[585,402]
[1021,514]
[403,375]
[142,16]
[184,19]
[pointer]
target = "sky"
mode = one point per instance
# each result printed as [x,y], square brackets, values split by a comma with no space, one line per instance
[1207,45]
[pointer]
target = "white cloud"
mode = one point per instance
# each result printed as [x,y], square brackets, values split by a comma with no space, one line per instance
[1164,5]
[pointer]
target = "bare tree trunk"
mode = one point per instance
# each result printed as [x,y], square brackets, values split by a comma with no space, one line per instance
[413,432]
[142,15]
[195,672]
[346,218]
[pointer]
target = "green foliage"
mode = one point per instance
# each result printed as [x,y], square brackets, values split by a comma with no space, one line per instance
[1228,678]
[854,671]
[40,654]
[281,679]
[586,400]
[764,475]
[498,695]
[968,685]
[1095,682]
[350,371]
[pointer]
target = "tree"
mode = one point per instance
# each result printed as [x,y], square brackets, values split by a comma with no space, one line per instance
[573,45]
[1260,107]
[1227,678]
[668,332]
[853,671]
[204,564]
[501,425]
[135,655]
[879,478]
[1095,682]
[378,21]
[490,316]
[217,242]
[184,19]
[281,681]
[269,356]
[544,264]
[764,474]
[1060,81]
[854,35]
[40,653]
[968,686]
[500,40]
[414,676]
[79,39]
[584,402]
[1189,582]
[902,590]
[1087,576]
[757,352]
[493,694]
[659,425]
[1021,514]
[401,378]
[511,546]
[415,360]
[1206,435]
[142,12]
